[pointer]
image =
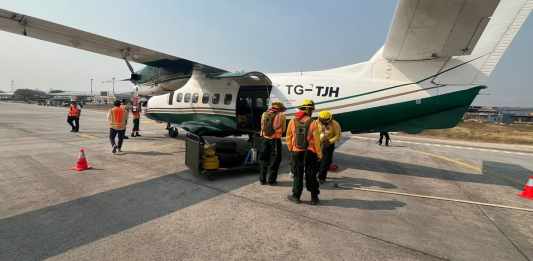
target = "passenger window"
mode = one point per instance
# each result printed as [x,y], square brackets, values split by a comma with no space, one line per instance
[195,98]
[205,98]
[187,98]
[170,98]
[179,97]
[216,98]
[228,98]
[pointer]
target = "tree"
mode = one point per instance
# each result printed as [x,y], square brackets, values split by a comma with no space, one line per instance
[29,94]
[56,91]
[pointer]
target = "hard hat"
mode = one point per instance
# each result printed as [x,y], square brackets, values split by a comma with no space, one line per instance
[307,103]
[325,115]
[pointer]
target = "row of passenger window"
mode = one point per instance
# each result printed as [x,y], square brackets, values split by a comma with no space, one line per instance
[193,98]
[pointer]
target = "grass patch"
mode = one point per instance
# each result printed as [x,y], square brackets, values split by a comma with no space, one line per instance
[486,132]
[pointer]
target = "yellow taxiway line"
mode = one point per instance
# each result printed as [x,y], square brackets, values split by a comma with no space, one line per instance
[339,185]
[454,161]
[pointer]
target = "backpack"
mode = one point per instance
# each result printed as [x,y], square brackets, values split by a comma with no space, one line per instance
[300,133]
[268,123]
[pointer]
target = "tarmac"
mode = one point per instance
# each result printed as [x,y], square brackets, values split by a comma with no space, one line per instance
[414,200]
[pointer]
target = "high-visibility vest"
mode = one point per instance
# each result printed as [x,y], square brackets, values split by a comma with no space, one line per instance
[278,124]
[117,118]
[73,111]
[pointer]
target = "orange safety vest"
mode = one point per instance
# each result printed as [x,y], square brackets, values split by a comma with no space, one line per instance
[117,118]
[73,111]
[313,139]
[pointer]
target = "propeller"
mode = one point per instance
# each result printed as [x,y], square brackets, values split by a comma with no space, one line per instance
[134,76]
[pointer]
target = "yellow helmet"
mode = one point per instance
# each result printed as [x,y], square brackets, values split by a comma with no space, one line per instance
[325,115]
[307,104]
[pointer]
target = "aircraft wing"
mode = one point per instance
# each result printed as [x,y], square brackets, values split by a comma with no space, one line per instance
[428,29]
[59,34]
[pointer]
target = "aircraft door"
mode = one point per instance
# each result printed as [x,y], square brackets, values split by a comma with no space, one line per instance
[251,103]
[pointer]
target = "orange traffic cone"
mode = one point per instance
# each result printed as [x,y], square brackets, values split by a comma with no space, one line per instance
[82,163]
[528,189]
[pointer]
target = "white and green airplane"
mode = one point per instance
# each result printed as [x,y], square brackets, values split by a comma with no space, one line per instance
[437,57]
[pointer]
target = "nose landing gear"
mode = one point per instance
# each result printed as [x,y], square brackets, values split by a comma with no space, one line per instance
[172,131]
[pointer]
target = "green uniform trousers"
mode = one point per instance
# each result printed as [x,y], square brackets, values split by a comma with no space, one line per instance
[305,163]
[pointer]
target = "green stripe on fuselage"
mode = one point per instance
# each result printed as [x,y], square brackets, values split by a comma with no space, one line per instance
[435,112]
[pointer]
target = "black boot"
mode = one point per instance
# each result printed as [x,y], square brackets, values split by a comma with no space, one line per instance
[293,199]
[314,200]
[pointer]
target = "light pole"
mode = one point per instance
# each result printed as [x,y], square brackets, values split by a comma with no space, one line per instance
[92,80]
[113,86]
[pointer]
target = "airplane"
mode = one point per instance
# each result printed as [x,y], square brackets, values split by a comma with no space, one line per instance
[435,60]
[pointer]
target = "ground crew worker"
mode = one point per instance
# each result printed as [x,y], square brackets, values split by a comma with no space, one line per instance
[136,113]
[387,138]
[117,117]
[303,141]
[73,118]
[330,133]
[272,128]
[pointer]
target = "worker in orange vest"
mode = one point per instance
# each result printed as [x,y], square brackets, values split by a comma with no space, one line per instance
[136,113]
[303,141]
[73,118]
[272,128]
[117,117]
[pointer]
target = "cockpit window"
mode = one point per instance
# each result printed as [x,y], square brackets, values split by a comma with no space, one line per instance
[195,98]
[170,98]
[187,98]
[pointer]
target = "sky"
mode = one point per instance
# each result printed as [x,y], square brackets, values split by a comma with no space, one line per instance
[268,35]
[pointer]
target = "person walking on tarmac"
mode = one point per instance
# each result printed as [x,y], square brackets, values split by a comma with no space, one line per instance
[136,113]
[272,128]
[303,141]
[387,138]
[73,118]
[117,118]
[330,133]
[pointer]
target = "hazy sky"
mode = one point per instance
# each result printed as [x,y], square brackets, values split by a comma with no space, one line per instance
[269,36]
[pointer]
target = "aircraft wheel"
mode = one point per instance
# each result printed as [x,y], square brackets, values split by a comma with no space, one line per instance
[173,132]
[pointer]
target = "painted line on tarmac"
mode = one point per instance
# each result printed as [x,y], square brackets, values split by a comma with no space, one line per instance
[454,161]
[87,136]
[340,185]
[452,146]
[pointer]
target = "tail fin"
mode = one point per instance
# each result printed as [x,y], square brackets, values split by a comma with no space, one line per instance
[503,26]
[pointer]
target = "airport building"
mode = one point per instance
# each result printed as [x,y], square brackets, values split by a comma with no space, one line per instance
[505,115]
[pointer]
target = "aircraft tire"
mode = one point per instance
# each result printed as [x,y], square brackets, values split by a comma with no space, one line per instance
[173,132]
